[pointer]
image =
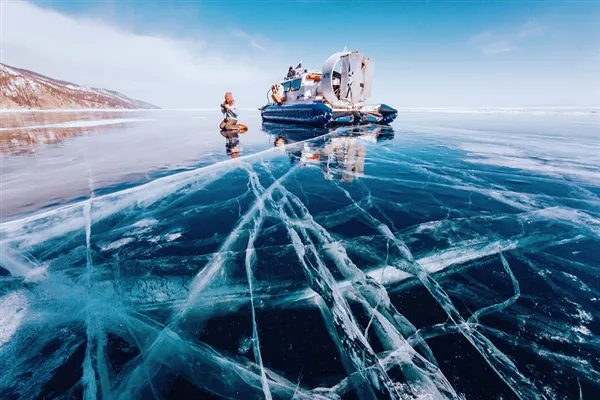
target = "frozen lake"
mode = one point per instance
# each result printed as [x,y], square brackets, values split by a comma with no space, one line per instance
[145,255]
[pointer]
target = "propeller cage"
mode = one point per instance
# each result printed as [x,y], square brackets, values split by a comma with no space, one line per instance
[346,79]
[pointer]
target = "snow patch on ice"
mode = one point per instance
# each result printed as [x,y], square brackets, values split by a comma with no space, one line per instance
[13,308]
[37,274]
[581,329]
[583,316]
[531,165]
[172,236]
[245,345]
[118,244]
[144,223]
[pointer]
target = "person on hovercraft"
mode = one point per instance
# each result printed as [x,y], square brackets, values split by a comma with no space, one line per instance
[277,94]
[291,73]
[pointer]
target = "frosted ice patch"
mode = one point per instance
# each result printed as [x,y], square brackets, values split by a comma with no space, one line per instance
[143,226]
[581,329]
[172,236]
[428,226]
[164,238]
[556,338]
[37,274]
[118,244]
[13,308]
[530,165]
[154,239]
[144,223]
[386,275]
[583,316]
[570,276]
[486,148]
[18,266]
[245,345]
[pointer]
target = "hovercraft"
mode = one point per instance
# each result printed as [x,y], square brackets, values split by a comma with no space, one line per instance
[335,95]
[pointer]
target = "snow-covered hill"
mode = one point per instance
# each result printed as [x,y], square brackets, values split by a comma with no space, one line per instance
[23,89]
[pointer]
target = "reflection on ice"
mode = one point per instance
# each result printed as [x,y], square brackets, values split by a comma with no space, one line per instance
[340,157]
[233,148]
[331,265]
[78,124]
[19,131]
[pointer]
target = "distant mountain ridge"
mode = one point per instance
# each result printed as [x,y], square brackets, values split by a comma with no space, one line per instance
[24,89]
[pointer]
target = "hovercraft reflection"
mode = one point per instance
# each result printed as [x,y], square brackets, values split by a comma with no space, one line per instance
[340,155]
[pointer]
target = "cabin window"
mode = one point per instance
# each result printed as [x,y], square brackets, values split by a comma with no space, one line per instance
[292,85]
[296,84]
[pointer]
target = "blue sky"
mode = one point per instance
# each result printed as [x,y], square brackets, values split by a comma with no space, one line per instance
[427,53]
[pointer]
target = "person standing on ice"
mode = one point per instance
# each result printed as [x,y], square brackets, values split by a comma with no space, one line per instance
[230,115]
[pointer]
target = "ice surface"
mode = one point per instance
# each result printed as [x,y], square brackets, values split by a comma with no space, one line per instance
[445,258]
[13,307]
[81,124]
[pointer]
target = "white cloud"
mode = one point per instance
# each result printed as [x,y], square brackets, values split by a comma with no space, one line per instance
[481,37]
[166,71]
[501,46]
[490,42]
[251,39]
[531,28]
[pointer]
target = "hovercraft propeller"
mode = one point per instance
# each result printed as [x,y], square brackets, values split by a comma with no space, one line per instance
[351,84]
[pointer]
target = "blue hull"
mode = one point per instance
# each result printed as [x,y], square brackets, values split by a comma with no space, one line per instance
[318,114]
